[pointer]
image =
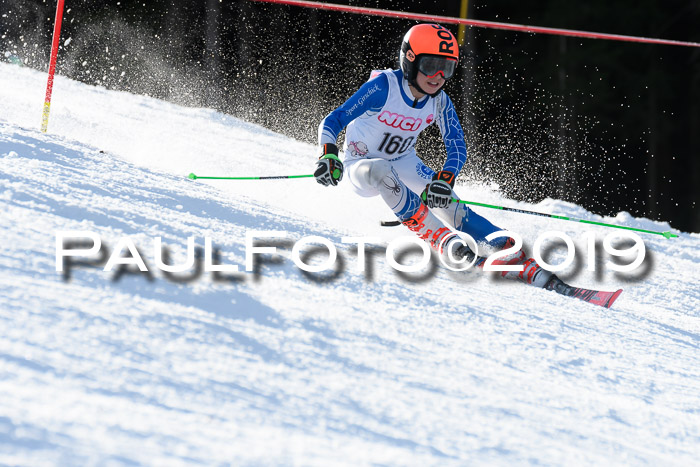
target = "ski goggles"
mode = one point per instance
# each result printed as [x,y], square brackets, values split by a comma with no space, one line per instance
[431,66]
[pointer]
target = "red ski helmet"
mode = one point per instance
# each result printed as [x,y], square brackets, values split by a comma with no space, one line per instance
[431,49]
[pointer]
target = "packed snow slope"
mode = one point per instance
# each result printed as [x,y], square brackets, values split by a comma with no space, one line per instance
[278,366]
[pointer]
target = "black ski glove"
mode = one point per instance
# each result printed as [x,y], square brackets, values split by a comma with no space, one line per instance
[438,193]
[329,168]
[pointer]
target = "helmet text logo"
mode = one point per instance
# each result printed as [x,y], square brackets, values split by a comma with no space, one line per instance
[448,40]
[446,45]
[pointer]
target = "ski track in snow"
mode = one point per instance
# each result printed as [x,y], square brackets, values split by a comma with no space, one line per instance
[277,367]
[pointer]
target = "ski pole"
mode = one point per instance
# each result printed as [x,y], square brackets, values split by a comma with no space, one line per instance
[274,177]
[667,234]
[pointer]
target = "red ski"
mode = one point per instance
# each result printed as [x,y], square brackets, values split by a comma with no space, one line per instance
[596,297]
[534,275]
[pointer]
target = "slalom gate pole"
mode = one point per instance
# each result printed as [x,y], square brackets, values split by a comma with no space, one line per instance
[667,234]
[476,23]
[273,177]
[52,65]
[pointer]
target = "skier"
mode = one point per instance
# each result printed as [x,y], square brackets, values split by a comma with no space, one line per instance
[384,118]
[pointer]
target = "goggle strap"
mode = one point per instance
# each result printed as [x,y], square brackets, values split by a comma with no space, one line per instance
[438,73]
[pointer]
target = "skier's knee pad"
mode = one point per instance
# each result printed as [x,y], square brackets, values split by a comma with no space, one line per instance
[373,171]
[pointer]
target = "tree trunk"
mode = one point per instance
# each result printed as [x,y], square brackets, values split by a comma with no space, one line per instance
[653,142]
[212,50]
[694,202]
[562,146]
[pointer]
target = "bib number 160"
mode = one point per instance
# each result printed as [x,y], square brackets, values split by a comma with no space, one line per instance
[390,144]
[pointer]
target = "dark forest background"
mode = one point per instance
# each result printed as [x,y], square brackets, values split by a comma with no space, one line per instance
[612,126]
